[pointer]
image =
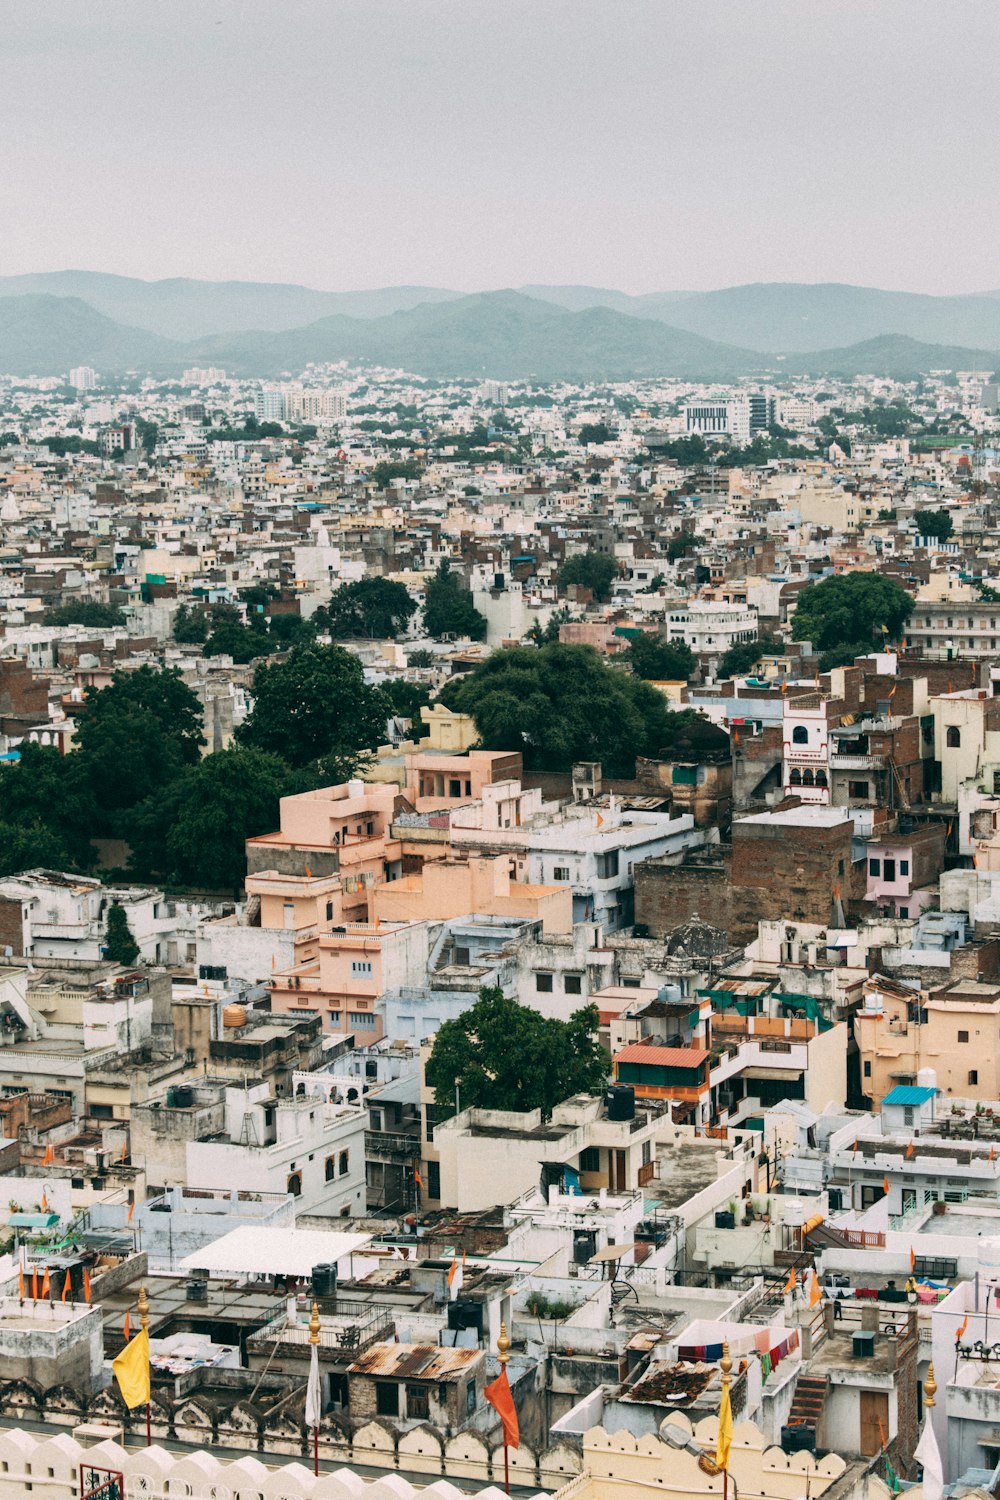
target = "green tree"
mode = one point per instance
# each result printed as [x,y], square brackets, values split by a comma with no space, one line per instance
[934,523]
[313,706]
[421,658]
[385,472]
[596,432]
[89,612]
[743,655]
[190,626]
[218,804]
[406,699]
[375,608]
[147,433]
[31,846]
[844,656]
[244,643]
[48,791]
[289,630]
[135,736]
[851,607]
[539,636]
[501,1055]
[590,570]
[448,607]
[559,704]
[681,544]
[120,947]
[656,659]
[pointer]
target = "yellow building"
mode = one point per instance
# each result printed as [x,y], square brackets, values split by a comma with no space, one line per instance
[952,1030]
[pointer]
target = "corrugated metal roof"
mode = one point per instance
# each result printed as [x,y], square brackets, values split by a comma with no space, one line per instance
[663,1057]
[909,1093]
[415,1362]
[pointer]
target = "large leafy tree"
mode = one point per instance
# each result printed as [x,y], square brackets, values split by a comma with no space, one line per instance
[315,706]
[217,805]
[373,607]
[592,570]
[448,607]
[48,794]
[656,659]
[743,655]
[135,737]
[558,704]
[502,1055]
[851,607]
[119,944]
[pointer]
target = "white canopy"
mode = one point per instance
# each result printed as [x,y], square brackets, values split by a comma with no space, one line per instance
[252,1251]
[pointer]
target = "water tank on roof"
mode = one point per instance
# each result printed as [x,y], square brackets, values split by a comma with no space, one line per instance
[989,1257]
[183,1097]
[355,789]
[927,1078]
[670,992]
[620,1101]
[324,1280]
[795,1213]
[234,1015]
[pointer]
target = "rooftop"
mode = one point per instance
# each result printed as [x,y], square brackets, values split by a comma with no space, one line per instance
[416,1362]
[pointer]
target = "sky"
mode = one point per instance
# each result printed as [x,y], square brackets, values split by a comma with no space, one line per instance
[647,145]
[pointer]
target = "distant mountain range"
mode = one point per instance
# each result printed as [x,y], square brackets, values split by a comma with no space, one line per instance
[50,322]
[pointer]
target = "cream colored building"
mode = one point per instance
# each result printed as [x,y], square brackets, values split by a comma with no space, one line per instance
[953,1030]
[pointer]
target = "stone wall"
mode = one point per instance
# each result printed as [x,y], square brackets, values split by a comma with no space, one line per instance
[201,1423]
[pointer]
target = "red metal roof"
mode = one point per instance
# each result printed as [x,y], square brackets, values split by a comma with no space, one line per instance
[662,1057]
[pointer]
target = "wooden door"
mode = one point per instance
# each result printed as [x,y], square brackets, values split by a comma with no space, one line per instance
[874,1422]
[616,1171]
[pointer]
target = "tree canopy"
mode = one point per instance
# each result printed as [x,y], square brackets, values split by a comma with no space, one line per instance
[596,432]
[373,607]
[502,1055]
[220,803]
[656,659]
[120,947]
[448,607]
[315,706]
[935,523]
[851,607]
[743,655]
[590,570]
[89,612]
[559,704]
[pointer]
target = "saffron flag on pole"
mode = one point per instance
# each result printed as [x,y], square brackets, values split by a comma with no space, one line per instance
[65,1290]
[815,1291]
[790,1283]
[132,1370]
[962,1327]
[498,1394]
[86,1284]
[885,1186]
[314,1395]
[46,1284]
[128,1324]
[20,1282]
[131,1211]
[913,1259]
[725,1437]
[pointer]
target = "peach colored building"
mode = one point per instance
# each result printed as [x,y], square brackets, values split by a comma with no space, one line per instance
[336,829]
[357,963]
[455,888]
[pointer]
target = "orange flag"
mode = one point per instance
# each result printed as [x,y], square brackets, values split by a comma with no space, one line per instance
[600,824]
[44,1205]
[86,1285]
[962,1327]
[34,1283]
[909,1151]
[993,1154]
[498,1394]
[790,1283]
[815,1291]
[128,1324]
[65,1290]
[49,1156]
[20,1282]
[854,1148]
[46,1284]
[913,1259]
[123,1153]
[131,1211]
[885,1186]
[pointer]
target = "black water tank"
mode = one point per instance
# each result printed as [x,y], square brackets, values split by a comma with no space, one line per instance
[620,1100]
[324,1280]
[196,1290]
[183,1097]
[798,1439]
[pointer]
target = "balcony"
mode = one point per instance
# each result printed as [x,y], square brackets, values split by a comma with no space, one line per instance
[387,1145]
[849,762]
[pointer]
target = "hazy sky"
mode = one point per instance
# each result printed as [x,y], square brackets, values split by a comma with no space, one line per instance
[641,144]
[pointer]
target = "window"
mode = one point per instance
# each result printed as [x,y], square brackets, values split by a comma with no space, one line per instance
[647,1153]
[953,737]
[294,1184]
[890,869]
[821,778]
[963,1036]
[386,1399]
[874,867]
[795,779]
[800,735]
[590,1159]
[807,777]
[904,867]
[868,1070]
[361,966]
[362,1018]
[418,1402]
[329,911]
[331,1169]
[908,1115]
[573,984]
[973,1075]
[344,1163]
[433,1179]
[543,984]
[560,872]
[470,1397]
[858,789]
[607,865]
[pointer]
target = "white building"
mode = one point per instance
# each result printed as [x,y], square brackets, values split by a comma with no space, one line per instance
[712,628]
[722,418]
[83,378]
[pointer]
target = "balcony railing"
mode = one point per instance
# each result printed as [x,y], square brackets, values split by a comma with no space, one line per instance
[392,1144]
[856,762]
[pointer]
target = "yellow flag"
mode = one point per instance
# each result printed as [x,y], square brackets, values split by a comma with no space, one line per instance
[725,1430]
[132,1370]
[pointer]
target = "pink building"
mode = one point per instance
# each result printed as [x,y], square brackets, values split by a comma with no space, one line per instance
[457,888]
[357,963]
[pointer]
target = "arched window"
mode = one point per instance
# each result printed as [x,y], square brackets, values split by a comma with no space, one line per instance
[331,1169]
[821,778]
[953,738]
[807,778]
[343,1163]
[295,1184]
[795,779]
[800,735]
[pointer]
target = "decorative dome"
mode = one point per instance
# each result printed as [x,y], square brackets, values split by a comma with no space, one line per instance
[697,939]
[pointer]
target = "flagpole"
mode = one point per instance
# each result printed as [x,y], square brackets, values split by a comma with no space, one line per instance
[726,1365]
[314,1327]
[144,1323]
[503,1354]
